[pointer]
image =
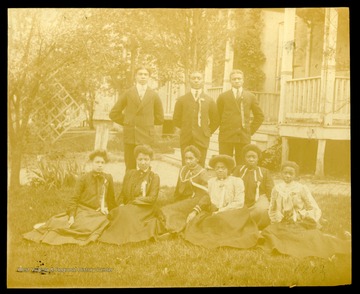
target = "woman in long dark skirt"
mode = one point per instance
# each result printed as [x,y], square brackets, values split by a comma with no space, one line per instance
[258,184]
[190,196]
[135,219]
[228,223]
[295,228]
[86,215]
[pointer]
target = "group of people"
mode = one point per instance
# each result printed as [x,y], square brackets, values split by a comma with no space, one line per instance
[226,205]
[232,203]
[236,113]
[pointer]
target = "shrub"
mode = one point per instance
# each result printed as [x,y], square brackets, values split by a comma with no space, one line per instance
[55,174]
[271,157]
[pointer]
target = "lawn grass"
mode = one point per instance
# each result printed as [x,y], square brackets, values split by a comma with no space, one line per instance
[167,263]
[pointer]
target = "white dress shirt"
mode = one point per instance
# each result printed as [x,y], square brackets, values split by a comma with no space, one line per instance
[141,90]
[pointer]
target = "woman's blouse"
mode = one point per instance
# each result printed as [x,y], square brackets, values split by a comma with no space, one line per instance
[226,194]
[93,190]
[292,202]
[140,187]
[257,182]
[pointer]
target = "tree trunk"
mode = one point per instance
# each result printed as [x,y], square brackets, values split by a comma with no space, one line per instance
[15,166]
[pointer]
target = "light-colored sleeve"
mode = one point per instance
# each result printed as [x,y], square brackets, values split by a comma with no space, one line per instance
[275,207]
[312,209]
[238,198]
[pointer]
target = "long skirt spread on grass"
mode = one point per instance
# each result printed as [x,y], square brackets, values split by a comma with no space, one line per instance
[174,215]
[88,226]
[299,241]
[131,223]
[232,228]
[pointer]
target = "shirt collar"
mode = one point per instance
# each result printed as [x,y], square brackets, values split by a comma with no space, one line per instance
[194,90]
[141,87]
[235,91]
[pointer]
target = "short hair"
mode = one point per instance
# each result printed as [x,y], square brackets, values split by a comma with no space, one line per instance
[142,67]
[292,164]
[99,153]
[193,150]
[236,71]
[197,71]
[251,147]
[144,149]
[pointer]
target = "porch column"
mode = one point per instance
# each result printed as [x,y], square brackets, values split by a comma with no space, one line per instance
[229,56]
[287,58]
[319,171]
[329,63]
[284,149]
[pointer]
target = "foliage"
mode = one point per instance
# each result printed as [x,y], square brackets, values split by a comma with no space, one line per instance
[55,174]
[248,55]
[271,157]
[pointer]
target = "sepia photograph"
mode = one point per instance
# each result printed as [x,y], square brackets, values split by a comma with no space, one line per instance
[178,147]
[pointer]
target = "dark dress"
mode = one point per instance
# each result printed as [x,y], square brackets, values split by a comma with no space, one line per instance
[258,185]
[295,228]
[85,206]
[135,219]
[190,193]
[228,223]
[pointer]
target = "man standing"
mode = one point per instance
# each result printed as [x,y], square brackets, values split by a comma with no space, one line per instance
[234,108]
[138,110]
[196,116]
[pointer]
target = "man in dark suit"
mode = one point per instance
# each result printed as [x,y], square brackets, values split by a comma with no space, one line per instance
[138,110]
[235,107]
[196,116]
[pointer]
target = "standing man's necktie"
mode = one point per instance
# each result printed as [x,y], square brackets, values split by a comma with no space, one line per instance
[239,100]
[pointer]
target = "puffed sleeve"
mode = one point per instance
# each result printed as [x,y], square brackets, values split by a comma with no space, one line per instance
[312,209]
[275,213]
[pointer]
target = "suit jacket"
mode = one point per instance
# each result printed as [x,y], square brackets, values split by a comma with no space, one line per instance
[185,117]
[138,117]
[231,130]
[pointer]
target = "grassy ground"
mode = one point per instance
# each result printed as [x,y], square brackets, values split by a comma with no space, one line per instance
[168,263]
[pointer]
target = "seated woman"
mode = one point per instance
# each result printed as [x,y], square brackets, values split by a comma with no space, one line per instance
[228,223]
[295,215]
[190,196]
[258,185]
[86,215]
[134,220]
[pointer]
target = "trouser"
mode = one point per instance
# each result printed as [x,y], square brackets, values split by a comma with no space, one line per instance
[129,157]
[229,149]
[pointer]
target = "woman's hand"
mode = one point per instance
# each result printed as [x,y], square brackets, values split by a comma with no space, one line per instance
[105,211]
[71,221]
[191,216]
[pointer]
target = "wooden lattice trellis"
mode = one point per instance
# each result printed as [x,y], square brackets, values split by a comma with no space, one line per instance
[58,114]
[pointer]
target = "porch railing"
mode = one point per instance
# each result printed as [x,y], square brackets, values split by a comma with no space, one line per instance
[303,99]
[341,105]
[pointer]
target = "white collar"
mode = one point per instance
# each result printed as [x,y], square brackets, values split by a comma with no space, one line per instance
[194,90]
[142,87]
[235,91]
